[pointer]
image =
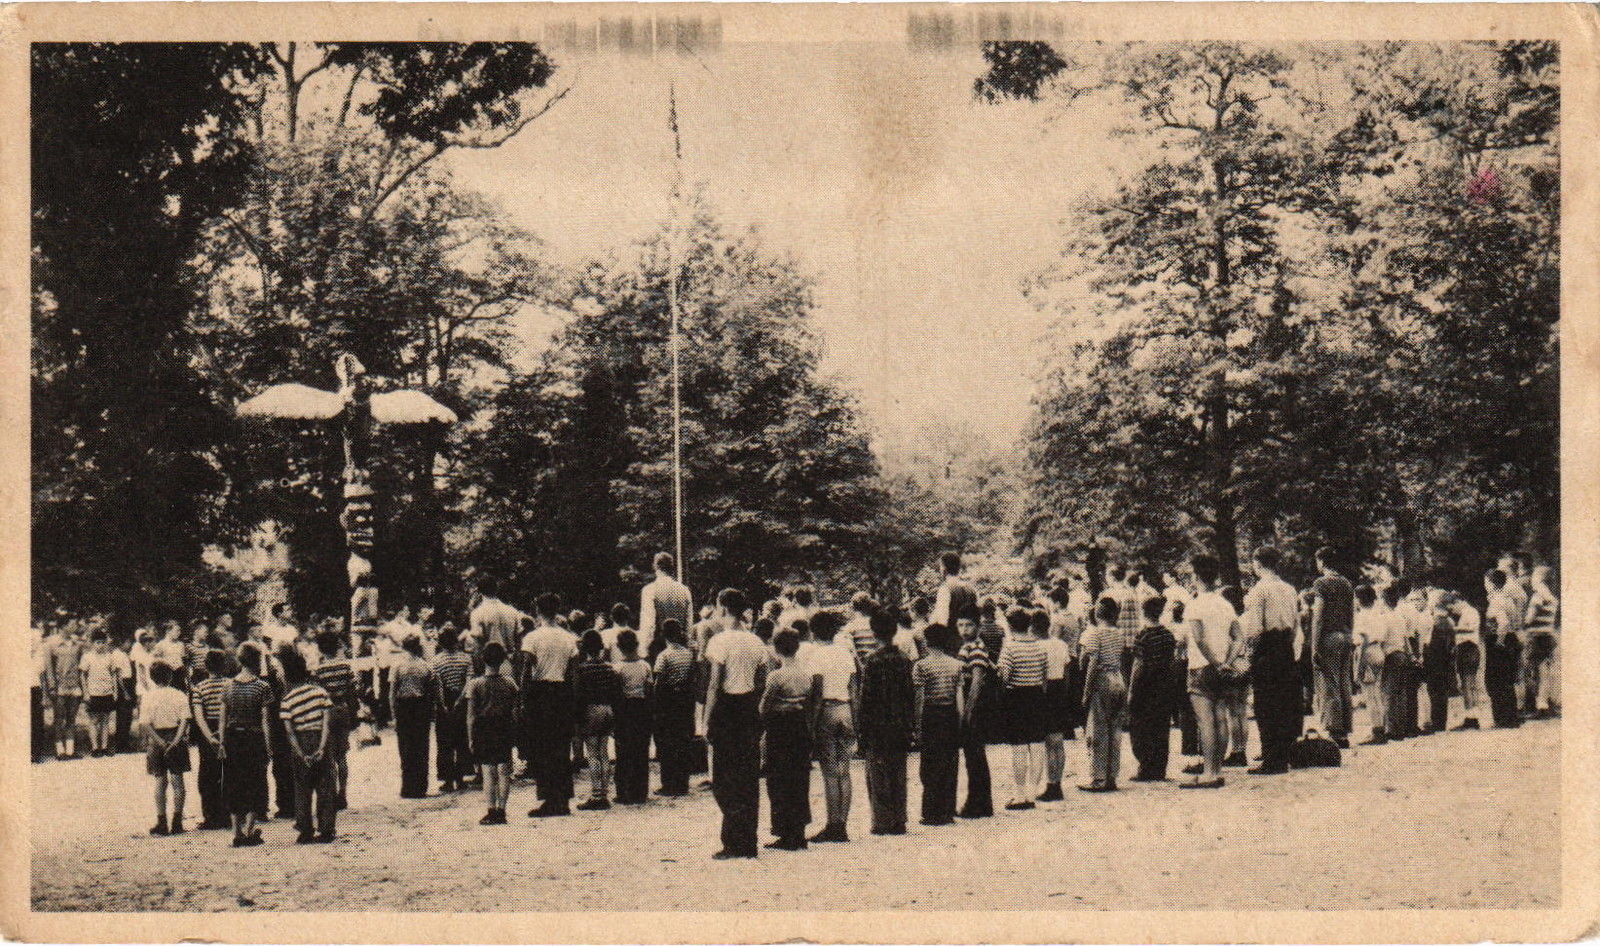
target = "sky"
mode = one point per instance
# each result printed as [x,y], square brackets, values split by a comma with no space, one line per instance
[918,212]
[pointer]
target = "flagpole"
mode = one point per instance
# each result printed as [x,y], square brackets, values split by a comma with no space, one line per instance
[675,343]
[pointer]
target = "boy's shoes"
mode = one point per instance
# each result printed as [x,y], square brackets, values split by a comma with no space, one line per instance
[971,813]
[1052,792]
[595,804]
[548,810]
[1236,760]
[888,831]
[630,801]
[1342,742]
[305,837]
[788,844]
[1142,777]
[494,816]
[1097,787]
[836,833]
[1466,724]
[1379,737]
[935,824]
[177,826]
[247,840]
[1270,770]
[327,837]
[160,829]
[447,787]
[730,855]
[1198,783]
[1195,769]
[1019,806]
[672,793]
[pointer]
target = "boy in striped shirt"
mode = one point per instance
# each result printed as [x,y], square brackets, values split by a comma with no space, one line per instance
[305,711]
[337,676]
[978,681]
[1023,669]
[451,668]
[205,706]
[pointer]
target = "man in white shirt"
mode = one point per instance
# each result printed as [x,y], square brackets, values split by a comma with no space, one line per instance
[493,619]
[955,596]
[736,659]
[1269,624]
[663,599]
[279,630]
[1211,621]
[549,651]
[1468,657]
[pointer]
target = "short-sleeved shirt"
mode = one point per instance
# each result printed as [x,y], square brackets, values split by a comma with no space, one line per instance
[1155,646]
[1372,626]
[1542,609]
[1215,616]
[205,700]
[888,707]
[741,654]
[1468,624]
[1397,630]
[494,620]
[163,708]
[339,679]
[1498,619]
[937,675]
[974,658]
[303,707]
[1056,656]
[66,658]
[413,679]
[1338,604]
[99,673]
[861,637]
[788,687]
[123,664]
[141,657]
[635,676]
[452,670]
[1105,642]
[492,696]
[596,683]
[1023,662]
[1269,605]
[835,663]
[168,652]
[553,650]
[674,671]
[244,700]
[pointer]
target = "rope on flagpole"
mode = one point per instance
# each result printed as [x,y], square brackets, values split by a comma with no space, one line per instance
[672,306]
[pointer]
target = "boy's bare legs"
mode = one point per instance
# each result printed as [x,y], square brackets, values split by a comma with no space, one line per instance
[179,795]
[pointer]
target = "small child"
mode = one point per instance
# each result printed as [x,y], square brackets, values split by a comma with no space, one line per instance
[633,721]
[597,689]
[491,716]
[165,721]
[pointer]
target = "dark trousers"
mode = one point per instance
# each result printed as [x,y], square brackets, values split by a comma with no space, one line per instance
[735,730]
[1501,660]
[1279,696]
[1150,720]
[315,790]
[633,749]
[939,749]
[122,741]
[282,773]
[789,774]
[886,788]
[208,783]
[550,717]
[39,736]
[974,750]
[412,717]
[452,762]
[380,708]
[1075,715]
[1188,723]
[674,736]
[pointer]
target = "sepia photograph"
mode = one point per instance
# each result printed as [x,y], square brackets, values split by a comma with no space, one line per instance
[969,460]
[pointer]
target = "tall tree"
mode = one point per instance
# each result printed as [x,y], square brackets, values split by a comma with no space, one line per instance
[572,480]
[134,150]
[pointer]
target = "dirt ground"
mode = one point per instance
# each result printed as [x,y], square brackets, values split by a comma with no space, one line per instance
[1453,820]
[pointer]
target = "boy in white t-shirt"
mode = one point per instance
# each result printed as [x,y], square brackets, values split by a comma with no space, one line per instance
[1210,619]
[164,717]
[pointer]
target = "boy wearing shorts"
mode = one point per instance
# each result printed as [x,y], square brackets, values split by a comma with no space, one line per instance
[165,721]
[491,729]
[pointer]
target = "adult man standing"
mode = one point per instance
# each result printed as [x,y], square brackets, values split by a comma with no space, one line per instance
[493,619]
[1271,614]
[548,709]
[956,597]
[1332,623]
[664,599]
[735,657]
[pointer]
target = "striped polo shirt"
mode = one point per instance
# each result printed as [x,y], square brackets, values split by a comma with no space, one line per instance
[205,700]
[452,670]
[1104,640]
[975,656]
[937,676]
[1023,662]
[244,700]
[674,671]
[338,678]
[303,707]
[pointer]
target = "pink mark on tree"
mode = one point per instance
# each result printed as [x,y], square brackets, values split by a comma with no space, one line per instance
[1484,187]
